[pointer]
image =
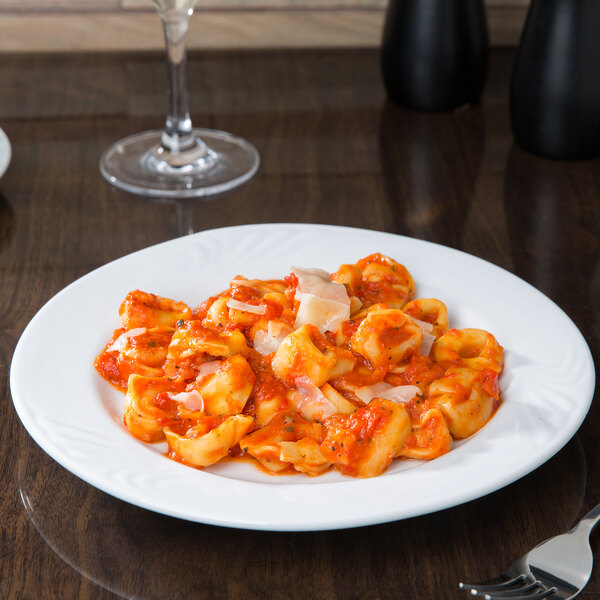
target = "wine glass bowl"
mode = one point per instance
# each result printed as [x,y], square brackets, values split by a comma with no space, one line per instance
[180,161]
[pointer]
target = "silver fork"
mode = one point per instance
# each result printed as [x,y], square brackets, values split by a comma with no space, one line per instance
[560,567]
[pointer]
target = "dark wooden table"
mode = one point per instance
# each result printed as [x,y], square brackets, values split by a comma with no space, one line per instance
[333,151]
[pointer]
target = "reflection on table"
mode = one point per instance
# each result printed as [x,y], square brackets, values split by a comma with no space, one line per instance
[92,532]
[333,151]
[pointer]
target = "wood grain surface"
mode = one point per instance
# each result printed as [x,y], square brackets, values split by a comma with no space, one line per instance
[333,150]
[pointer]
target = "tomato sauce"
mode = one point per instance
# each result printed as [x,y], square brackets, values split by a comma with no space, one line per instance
[170,360]
[421,371]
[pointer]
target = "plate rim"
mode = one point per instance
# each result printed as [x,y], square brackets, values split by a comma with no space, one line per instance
[21,408]
[5,152]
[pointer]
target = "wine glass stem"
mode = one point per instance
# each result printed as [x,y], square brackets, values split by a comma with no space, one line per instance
[178,135]
[184,217]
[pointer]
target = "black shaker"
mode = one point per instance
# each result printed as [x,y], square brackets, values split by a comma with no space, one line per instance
[555,88]
[434,53]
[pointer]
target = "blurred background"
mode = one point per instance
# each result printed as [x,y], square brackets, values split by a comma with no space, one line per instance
[89,25]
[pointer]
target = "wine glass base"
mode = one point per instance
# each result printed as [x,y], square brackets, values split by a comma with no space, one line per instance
[220,162]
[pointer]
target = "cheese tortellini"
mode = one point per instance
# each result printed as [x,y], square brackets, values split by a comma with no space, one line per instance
[312,372]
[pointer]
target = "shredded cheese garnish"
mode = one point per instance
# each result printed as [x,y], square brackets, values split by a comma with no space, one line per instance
[323,303]
[121,342]
[244,306]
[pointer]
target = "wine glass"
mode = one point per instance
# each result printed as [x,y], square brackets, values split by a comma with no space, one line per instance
[179,161]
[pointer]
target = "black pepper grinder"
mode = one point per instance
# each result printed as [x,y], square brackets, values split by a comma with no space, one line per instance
[434,53]
[555,89]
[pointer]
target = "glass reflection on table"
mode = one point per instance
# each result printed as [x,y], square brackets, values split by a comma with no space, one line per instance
[423,193]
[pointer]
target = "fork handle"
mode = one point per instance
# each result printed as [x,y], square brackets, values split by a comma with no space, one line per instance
[589,521]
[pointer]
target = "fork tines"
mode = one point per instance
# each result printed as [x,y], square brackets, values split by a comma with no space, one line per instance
[519,587]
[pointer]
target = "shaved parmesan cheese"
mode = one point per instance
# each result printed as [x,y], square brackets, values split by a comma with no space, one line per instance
[323,303]
[192,400]
[424,325]
[402,393]
[121,342]
[367,393]
[399,393]
[318,282]
[324,314]
[251,308]
[207,368]
[427,343]
[310,400]
[266,342]
[428,337]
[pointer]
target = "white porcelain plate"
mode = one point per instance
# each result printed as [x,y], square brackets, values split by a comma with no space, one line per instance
[5,152]
[75,416]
